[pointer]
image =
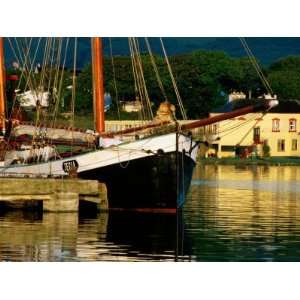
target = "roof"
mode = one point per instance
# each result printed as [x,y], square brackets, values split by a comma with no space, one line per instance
[284,106]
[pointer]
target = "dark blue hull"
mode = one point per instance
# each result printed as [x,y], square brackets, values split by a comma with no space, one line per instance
[157,182]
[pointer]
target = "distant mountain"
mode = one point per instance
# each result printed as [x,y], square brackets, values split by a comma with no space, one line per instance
[266,50]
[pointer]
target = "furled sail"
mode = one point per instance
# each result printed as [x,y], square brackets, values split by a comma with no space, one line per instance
[54,133]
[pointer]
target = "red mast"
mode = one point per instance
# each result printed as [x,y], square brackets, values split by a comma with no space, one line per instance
[2,87]
[98,84]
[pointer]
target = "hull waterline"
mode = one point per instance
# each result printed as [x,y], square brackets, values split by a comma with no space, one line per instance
[147,184]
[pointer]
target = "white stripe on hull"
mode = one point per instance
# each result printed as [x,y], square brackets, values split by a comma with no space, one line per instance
[109,156]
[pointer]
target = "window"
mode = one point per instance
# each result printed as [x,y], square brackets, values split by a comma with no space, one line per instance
[256,135]
[215,147]
[281,145]
[215,129]
[227,148]
[275,125]
[294,145]
[292,125]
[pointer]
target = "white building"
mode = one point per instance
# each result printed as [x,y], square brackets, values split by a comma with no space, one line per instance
[236,96]
[30,98]
[131,106]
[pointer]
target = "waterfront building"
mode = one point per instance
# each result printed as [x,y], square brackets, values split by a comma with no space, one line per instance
[275,134]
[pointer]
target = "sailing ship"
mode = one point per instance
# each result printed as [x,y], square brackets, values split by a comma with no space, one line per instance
[153,171]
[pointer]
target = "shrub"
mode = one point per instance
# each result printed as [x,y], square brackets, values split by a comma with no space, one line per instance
[266,150]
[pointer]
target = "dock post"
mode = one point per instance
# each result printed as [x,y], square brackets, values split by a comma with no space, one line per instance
[103,204]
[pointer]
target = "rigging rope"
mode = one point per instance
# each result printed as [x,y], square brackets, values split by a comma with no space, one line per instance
[156,70]
[24,69]
[142,81]
[139,77]
[137,89]
[24,62]
[179,100]
[139,60]
[28,82]
[233,128]
[73,92]
[256,66]
[114,78]
[59,81]
[74,83]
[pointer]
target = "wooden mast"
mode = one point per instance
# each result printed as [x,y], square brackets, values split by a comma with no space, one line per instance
[98,84]
[2,88]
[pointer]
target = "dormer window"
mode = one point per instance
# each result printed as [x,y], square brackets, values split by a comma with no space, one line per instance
[292,125]
[276,125]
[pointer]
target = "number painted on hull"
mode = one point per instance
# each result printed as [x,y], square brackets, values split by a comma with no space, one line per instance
[70,165]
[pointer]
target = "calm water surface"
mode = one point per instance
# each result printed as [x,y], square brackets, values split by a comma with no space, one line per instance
[231,214]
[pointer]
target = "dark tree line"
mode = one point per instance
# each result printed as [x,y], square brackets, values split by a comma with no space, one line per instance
[204,80]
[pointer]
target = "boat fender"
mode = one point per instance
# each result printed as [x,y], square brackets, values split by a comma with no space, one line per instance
[160,152]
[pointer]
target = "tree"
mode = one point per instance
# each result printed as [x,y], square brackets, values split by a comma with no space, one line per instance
[84,91]
[285,84]
[291,63]
[201,80]
[247,78]
[284,76]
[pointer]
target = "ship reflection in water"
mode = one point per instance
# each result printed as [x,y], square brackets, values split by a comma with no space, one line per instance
[116,236]
[231,214]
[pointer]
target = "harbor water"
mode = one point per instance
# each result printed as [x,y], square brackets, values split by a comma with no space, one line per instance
[249,213]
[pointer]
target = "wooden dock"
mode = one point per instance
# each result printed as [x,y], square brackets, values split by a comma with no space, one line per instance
[57,195]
